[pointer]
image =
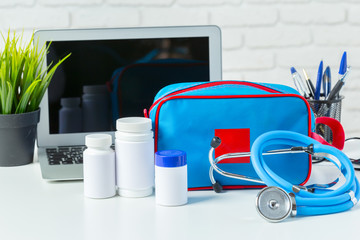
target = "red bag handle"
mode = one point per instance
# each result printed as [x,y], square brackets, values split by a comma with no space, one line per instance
[337,132]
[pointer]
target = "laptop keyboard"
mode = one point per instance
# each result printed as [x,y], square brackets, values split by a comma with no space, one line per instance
[65,155]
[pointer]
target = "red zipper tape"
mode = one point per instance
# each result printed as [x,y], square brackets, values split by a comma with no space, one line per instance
[212,84]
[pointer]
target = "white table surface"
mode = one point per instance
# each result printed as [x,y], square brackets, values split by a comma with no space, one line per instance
[31,208]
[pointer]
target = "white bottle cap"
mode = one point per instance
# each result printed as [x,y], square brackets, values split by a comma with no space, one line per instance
[133,124]
[98,140]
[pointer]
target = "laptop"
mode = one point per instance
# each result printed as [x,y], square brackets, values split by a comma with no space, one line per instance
[113,73]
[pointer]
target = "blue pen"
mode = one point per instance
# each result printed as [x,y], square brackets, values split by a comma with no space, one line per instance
[326,81]
[318,81]
[335,92]
[343,66]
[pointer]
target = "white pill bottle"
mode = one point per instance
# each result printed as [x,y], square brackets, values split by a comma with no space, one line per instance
[171,178]
[134,147]
[99,166]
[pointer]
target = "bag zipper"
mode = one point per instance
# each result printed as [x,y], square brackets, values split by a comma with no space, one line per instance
[211,84]
[173,95]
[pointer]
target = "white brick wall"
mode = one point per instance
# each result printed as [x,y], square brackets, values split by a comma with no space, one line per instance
[98,17]
[14,3]
[262,39]
[160,3]
[61,3]
[244,15]
[313,13]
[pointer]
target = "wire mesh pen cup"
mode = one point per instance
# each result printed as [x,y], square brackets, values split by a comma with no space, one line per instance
[326,108]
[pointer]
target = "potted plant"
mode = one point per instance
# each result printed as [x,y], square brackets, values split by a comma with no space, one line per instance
[23,83]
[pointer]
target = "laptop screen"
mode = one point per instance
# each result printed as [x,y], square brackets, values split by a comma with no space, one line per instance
[104,80]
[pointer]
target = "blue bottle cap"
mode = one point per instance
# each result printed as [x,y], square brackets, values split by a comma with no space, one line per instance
[170,158]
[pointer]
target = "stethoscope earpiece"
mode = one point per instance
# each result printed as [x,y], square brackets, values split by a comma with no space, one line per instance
[215,142]
[274,204]
[217,187]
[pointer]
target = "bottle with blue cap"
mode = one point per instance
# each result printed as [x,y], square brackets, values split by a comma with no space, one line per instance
[171,178]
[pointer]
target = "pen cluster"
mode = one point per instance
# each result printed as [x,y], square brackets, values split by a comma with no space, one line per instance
[323,94]
[324,99]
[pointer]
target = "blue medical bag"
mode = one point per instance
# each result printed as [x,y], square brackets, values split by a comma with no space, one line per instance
[186,116]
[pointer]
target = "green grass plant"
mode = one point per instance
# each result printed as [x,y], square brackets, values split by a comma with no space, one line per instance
[23,81]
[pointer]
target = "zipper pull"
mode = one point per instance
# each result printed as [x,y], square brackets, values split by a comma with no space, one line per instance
[146,113]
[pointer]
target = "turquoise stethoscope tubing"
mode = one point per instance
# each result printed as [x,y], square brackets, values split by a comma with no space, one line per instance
[319,201]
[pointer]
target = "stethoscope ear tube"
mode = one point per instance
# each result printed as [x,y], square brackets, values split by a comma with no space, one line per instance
[213,166]
[216,141]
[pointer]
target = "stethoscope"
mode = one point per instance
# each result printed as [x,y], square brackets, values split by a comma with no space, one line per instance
[281,198]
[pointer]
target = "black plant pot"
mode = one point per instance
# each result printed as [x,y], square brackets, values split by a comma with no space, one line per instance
[17,138]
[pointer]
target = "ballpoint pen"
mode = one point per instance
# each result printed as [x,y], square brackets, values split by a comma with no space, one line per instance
[309,84]
[318,81]
[343,66]
[334,93]
[327,81]
[340,83]
[299,84]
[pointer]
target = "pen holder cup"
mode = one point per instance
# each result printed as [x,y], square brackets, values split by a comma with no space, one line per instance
[326,108]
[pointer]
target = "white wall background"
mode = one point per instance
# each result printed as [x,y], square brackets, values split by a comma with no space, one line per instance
[262,39]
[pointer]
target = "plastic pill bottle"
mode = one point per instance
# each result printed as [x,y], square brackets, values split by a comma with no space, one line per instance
[99,166]
[134,147]
[171,178]
[96,108]
[70,116]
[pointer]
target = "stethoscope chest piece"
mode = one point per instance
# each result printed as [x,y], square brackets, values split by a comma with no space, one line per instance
[274,204]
